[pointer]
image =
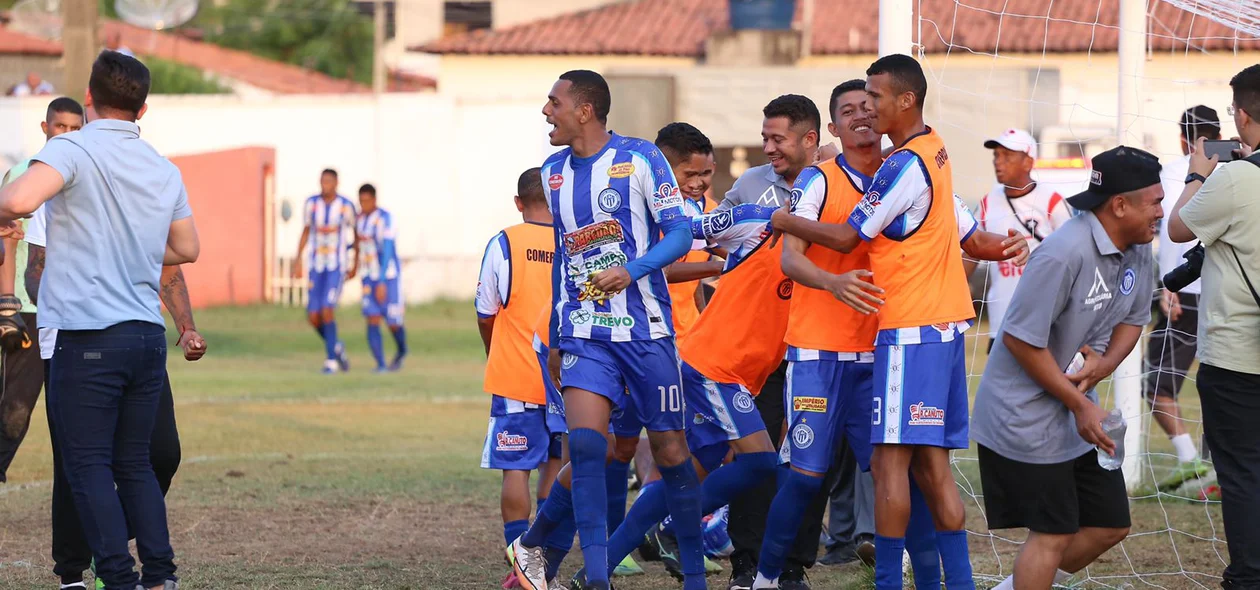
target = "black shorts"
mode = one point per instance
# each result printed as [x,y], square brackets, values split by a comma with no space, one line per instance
[1055,498]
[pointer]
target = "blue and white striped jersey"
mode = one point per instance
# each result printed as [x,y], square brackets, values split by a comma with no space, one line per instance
[330,225]
[378,257]
[609,209]
[740,230]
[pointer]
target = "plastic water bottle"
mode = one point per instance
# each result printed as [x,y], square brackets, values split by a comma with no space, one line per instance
[1114,425]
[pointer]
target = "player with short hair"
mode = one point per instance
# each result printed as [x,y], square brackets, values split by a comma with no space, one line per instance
[513,290]
[382,278]
[690,155]
[619,221]
[329,215]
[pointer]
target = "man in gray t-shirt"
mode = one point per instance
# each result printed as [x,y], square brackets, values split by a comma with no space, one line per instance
[1086,289]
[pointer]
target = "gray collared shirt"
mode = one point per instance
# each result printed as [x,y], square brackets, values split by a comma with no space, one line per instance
[1076,289]
[759,185]
[107,228]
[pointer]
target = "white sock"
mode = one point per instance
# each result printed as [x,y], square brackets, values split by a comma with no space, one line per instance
[762,582]
[1060,577]
[1185,448]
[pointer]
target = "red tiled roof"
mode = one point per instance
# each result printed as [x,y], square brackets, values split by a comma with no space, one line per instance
[15,43]
[680,27]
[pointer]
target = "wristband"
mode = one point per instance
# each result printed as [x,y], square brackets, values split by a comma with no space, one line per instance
[1195,176]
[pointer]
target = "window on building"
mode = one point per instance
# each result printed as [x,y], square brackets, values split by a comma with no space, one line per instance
[462,17]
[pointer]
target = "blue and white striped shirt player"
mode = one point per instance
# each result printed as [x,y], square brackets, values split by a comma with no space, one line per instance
[609,210]
[330,224]
[739,230]
[376,246]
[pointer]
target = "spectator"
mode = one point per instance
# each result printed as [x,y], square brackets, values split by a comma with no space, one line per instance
[33,85]
[1220,206]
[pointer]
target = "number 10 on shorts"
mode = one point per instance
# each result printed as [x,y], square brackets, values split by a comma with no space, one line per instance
[671,398]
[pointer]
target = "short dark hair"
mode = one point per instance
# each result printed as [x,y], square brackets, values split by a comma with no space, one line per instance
[529,186]
[906,74]
[367,188]
[798,109]
[590,88]
[1246,85]
[329,171]
[843,88]
[119,83]
[679,141]
[64,104]
[1200,121]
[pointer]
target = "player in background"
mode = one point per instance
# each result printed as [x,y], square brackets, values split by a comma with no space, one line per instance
[1016,203]
[690,154]
[1174,341]
[619,221]
[328,216]
[382,278]
[513,290]
[23,371]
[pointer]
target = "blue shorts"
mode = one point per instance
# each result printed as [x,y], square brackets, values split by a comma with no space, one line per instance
[325,290]
[646,371]
[517,438]
[825,399]
[625,419]
[391,309]
[555,402]
[920,394]
[720,412]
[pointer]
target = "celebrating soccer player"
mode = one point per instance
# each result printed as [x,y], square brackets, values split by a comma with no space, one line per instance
[619,221]
[330,216]
[382,291]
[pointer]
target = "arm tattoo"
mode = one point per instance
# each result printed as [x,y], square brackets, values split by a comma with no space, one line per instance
[34,271]
[174,292]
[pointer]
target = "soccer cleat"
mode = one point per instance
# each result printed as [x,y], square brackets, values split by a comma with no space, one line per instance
[530,566]
[343,359]
[578,582]
[711,567]
[647,549]
[743,572]
[628,567]
[330,367]
[1183,473]
[1210,493]
[667,548]
[397,363]
[793,580]
[74,586]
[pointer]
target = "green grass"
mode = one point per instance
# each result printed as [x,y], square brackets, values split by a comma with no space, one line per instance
[295,479]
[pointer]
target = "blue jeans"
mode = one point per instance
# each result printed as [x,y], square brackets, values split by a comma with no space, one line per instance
[103,395]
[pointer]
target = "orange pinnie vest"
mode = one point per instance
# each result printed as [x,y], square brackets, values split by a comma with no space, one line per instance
[818,320]
[922,274]
[512,368]
[682,296]
[739,336]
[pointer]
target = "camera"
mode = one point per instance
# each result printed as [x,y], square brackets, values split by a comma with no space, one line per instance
[1188,272]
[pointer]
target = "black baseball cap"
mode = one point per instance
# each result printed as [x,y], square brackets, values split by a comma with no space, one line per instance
[1200,121]
[1118,170]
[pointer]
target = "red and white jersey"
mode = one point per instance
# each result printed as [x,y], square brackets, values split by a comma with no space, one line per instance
[1035,215]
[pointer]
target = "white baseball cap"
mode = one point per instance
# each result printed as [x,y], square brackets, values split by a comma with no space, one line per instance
[1016,140]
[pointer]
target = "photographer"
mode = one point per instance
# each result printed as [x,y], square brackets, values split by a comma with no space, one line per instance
[1223,212]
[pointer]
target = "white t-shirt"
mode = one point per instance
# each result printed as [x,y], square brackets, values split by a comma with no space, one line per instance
[36,235]
[1173,178]
[1043,210]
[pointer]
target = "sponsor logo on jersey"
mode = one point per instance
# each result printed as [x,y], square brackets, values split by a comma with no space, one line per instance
[802,436]
[941,157]
[867,204]
[603,319]
[720,222]
[568,360]
[609,200]
[809,404]
[1099,291]
[579,271]
[622,170]
[743,402]
[785,289]
[1129,280]
[536,255]
[555,181]
[921,415]
[511,442]
[666,197]
[585,239]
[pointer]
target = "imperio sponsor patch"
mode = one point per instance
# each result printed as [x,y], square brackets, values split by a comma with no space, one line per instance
[809,404]
[593,236]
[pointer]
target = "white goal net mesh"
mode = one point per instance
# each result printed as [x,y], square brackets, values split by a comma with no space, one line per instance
[1051,67]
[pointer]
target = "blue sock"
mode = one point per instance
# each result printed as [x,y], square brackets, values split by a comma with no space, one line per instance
[888,551]
[587,451]
[558,544]
[319,329]
[733,478]
[783,522]
[615,475]
[514,529]
[375,343]
[557,508]
[921,541]
[956,558]
[682,495]
[648,509]
[400,339]
[330,340]
[554,557]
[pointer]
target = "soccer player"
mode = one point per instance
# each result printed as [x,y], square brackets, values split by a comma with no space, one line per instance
[382,278]
[24,373]
[329,216]
[513,290]
[1016,203]
[618,222]
[690,155]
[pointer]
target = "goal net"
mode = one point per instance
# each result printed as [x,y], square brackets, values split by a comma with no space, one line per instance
[1052,67]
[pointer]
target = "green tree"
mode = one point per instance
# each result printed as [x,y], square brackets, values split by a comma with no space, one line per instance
[169,77]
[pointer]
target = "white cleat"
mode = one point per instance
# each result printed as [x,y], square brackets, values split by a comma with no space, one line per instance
[530,566]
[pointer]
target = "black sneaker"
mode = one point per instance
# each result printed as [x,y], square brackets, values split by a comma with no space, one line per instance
[839,555]
[647,549]
[793,579]
[743,572]
[866,551]
[578,582]
[667,548]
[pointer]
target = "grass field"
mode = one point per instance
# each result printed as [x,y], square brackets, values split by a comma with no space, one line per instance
[295,479]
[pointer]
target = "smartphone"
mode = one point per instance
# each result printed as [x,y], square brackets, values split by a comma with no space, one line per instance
[1223,149]
[1078,363]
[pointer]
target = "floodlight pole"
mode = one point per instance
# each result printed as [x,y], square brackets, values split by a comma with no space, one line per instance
[79,46]
[896,27]
[378,46]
